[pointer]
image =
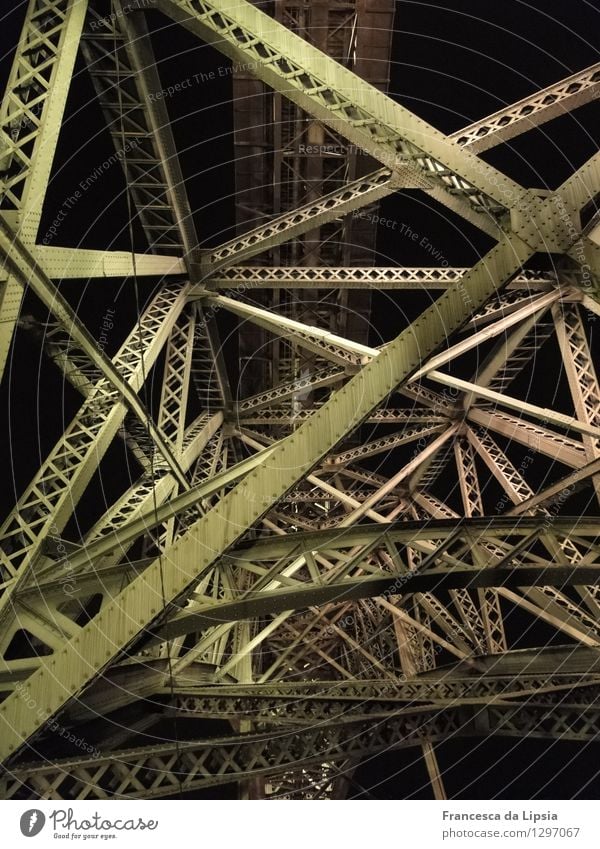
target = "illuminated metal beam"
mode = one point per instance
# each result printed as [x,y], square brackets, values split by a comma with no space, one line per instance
[302,702]
[535,437]
[121,93]
[145,76]
[405,532]
[350,196]
[49,500]
[435,580]
[168,769]
[67,263]
[249,277]
[541,413]
[329,345]
[532,111]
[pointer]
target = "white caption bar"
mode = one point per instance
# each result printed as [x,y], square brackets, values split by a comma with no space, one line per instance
[260,825]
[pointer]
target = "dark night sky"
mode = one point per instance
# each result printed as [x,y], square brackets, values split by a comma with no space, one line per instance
[452,63]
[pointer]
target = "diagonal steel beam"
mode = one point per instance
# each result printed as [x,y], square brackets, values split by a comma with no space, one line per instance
[551,443]
[390,133]
[349,197]
[329,345]
[34,104]
[48,502]
[541,413]
[327,376]
[532,111]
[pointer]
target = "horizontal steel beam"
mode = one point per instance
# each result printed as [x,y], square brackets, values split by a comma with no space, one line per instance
[278,416]
[169,769]
[67,263]
[352,277]
[305,707]
[531,671]
[433,580]
[407,532]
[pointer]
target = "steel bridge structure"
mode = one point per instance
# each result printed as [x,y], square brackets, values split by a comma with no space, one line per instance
[287,584]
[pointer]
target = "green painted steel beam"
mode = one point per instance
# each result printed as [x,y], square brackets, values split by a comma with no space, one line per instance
[82,263]
[276,601]
[347,198]
[407,532]
[170,768]
[82,556]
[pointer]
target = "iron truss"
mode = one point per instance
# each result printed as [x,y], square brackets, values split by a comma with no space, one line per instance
[288,557]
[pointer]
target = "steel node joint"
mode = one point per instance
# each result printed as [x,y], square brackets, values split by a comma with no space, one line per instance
[547,223]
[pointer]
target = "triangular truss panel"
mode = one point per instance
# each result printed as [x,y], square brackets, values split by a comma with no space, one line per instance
[322,523]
